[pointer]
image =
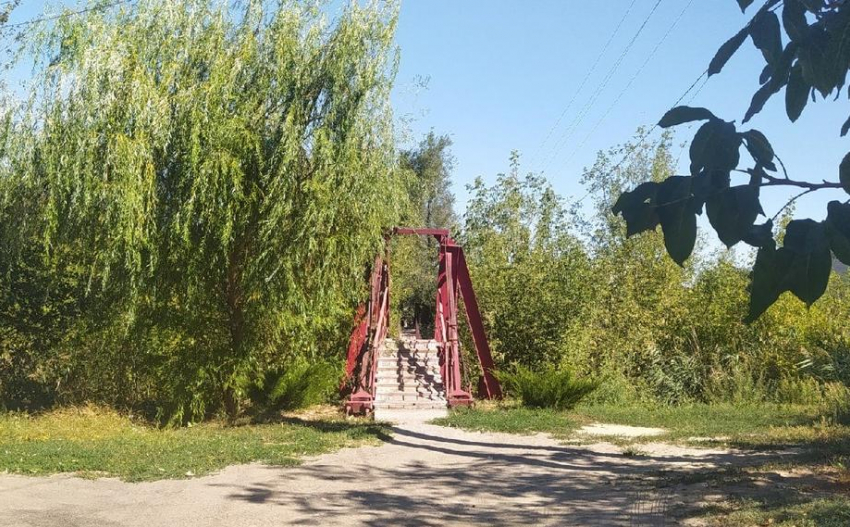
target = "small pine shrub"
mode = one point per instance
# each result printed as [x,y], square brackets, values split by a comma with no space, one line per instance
[300,385]
[547,387]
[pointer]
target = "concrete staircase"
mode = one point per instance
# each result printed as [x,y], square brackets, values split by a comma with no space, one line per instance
[409,386]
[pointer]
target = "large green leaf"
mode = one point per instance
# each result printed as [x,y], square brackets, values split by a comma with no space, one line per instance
[760,235]
[638,208]
[838,229]
[760,148]
[801,266]
[796,93]
[684,114]
[844,173]
[811,260]
[759,99]
[733,211]
[678,217]
[766,35]
[817,63]
[794,19]
[766,280]
[726,51]
[715,147]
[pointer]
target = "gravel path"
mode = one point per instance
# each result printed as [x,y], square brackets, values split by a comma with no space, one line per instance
[424,475]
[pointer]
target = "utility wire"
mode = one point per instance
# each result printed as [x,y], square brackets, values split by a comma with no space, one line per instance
[584,111]
[650,130]
[101,7]
[583,82]
[629,84]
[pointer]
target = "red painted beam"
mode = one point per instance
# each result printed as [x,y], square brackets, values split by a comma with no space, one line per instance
[356,341]
[489,386]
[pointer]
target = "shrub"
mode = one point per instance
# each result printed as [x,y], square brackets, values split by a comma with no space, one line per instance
[302,384]
[546,387]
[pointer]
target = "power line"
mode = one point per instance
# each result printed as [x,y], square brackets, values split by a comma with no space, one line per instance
[652,129]
[101,7]
[631,81]
[646,134]
[584,111]
[584,81]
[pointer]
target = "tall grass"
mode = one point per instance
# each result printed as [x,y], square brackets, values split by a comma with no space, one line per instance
[546,387]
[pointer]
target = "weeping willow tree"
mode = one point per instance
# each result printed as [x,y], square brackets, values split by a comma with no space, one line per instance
[216,176]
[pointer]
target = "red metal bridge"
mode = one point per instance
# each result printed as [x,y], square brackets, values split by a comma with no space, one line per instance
[372,320]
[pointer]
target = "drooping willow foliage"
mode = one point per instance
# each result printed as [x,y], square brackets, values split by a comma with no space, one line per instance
[208,180]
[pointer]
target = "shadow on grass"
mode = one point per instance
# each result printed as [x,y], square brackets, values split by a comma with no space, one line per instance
[363,427]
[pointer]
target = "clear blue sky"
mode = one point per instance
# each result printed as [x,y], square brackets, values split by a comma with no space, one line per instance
[501,73]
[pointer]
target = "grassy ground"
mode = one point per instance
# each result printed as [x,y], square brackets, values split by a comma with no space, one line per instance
[810,487]
[94,442]
[755,423]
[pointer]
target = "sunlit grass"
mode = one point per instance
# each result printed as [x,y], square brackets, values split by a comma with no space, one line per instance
[96,442]
[821,512]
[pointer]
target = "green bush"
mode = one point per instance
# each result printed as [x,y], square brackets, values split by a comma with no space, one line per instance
[298,386]
[546,387]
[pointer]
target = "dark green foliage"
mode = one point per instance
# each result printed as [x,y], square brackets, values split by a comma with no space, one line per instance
[302,384]
[613,307]
[546,387]
[726,51]
[684,114]
[676,215]
[814,59]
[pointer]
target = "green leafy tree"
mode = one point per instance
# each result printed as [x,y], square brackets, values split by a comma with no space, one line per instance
[430,204]
[530,272]
[813,59]
[222,175]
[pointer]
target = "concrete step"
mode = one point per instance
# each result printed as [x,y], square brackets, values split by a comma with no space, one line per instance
[402,385]
[433,359]
[410,390]
[424,383]
[387,366]
[409,406]
[410,368]
[408,397]
[397,379]
[419,355]
[394,373]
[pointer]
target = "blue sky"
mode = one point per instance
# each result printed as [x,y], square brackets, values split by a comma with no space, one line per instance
[500,73]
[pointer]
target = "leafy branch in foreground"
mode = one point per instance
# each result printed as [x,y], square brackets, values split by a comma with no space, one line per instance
[814,60]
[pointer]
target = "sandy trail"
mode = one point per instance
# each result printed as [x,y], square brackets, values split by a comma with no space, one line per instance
[424,475]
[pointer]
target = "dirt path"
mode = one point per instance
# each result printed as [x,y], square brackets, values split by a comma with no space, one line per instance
[424,475]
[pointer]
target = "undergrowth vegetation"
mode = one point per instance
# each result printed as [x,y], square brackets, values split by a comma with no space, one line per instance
[562,287]
[546,387]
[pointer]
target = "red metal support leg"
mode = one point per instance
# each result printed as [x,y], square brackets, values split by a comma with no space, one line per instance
[488,385]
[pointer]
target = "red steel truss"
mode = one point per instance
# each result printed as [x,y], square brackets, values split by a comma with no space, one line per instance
[372,319]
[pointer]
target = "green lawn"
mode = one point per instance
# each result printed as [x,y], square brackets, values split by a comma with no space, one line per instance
[103,443]
[755,425]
